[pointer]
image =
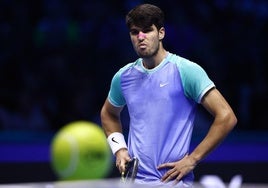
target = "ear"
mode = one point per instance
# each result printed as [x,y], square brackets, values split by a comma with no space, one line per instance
[161,33]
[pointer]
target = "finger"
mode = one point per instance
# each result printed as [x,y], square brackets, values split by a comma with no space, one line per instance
[178,179]
[169,178]
[123,163]
[169,175]
[117,163]
[122,167]
[166,165]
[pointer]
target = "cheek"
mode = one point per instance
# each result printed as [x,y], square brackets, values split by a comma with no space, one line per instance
[134,42]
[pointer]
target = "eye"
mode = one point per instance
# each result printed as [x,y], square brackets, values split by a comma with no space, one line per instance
[134,32]
[147,30]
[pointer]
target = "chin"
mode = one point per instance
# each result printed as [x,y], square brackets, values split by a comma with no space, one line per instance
[144,55]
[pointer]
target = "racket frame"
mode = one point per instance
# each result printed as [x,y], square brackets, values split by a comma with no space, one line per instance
[131,171]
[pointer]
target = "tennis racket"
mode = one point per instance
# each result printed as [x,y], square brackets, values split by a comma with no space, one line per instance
[131,171]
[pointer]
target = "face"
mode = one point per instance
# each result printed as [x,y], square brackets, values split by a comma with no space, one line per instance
[146,41]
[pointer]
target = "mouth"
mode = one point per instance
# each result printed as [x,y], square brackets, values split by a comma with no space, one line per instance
[142,46]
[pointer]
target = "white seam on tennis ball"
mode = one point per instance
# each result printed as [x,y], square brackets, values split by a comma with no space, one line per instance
[74,156]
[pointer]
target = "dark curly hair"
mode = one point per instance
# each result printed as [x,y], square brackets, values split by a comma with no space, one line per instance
[145,15]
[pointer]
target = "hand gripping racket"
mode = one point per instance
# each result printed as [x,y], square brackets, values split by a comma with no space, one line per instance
[131,171]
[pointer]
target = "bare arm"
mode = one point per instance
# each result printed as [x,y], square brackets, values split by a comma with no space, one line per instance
[110,118]
[224,122]
[111,123]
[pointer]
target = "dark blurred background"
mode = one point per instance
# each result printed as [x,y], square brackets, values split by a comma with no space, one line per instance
[57,59]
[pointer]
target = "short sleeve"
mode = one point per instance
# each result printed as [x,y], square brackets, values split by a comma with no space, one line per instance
[195,80]
[115,95]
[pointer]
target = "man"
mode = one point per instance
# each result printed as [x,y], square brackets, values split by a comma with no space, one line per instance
[161,91]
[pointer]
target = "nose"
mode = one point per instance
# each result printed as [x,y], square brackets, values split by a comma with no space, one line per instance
[141,35]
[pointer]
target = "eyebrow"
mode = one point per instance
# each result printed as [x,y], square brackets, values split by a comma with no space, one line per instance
[135,28]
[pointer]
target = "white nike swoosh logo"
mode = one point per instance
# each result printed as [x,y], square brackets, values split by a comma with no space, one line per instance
[163,84]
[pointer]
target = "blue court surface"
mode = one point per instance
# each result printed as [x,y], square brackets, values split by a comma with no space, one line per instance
[115,183]
[25,162]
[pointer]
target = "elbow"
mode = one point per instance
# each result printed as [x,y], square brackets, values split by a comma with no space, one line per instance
[231,120]
[234,122]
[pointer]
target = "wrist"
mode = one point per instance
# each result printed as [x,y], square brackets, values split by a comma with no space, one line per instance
[116,141]
[194,160]
[121,151]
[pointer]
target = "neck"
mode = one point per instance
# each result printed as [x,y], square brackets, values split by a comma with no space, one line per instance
[155,60]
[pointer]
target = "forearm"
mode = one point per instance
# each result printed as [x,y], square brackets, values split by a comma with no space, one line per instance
[216,134]
[224,122]
[111,125]
[110,119]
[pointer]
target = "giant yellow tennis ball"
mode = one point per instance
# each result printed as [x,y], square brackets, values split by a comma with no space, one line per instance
[80,151]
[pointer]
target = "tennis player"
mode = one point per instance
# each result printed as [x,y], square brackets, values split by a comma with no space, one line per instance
[162,91]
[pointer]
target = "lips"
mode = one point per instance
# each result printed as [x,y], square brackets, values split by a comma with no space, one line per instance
[142,46]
